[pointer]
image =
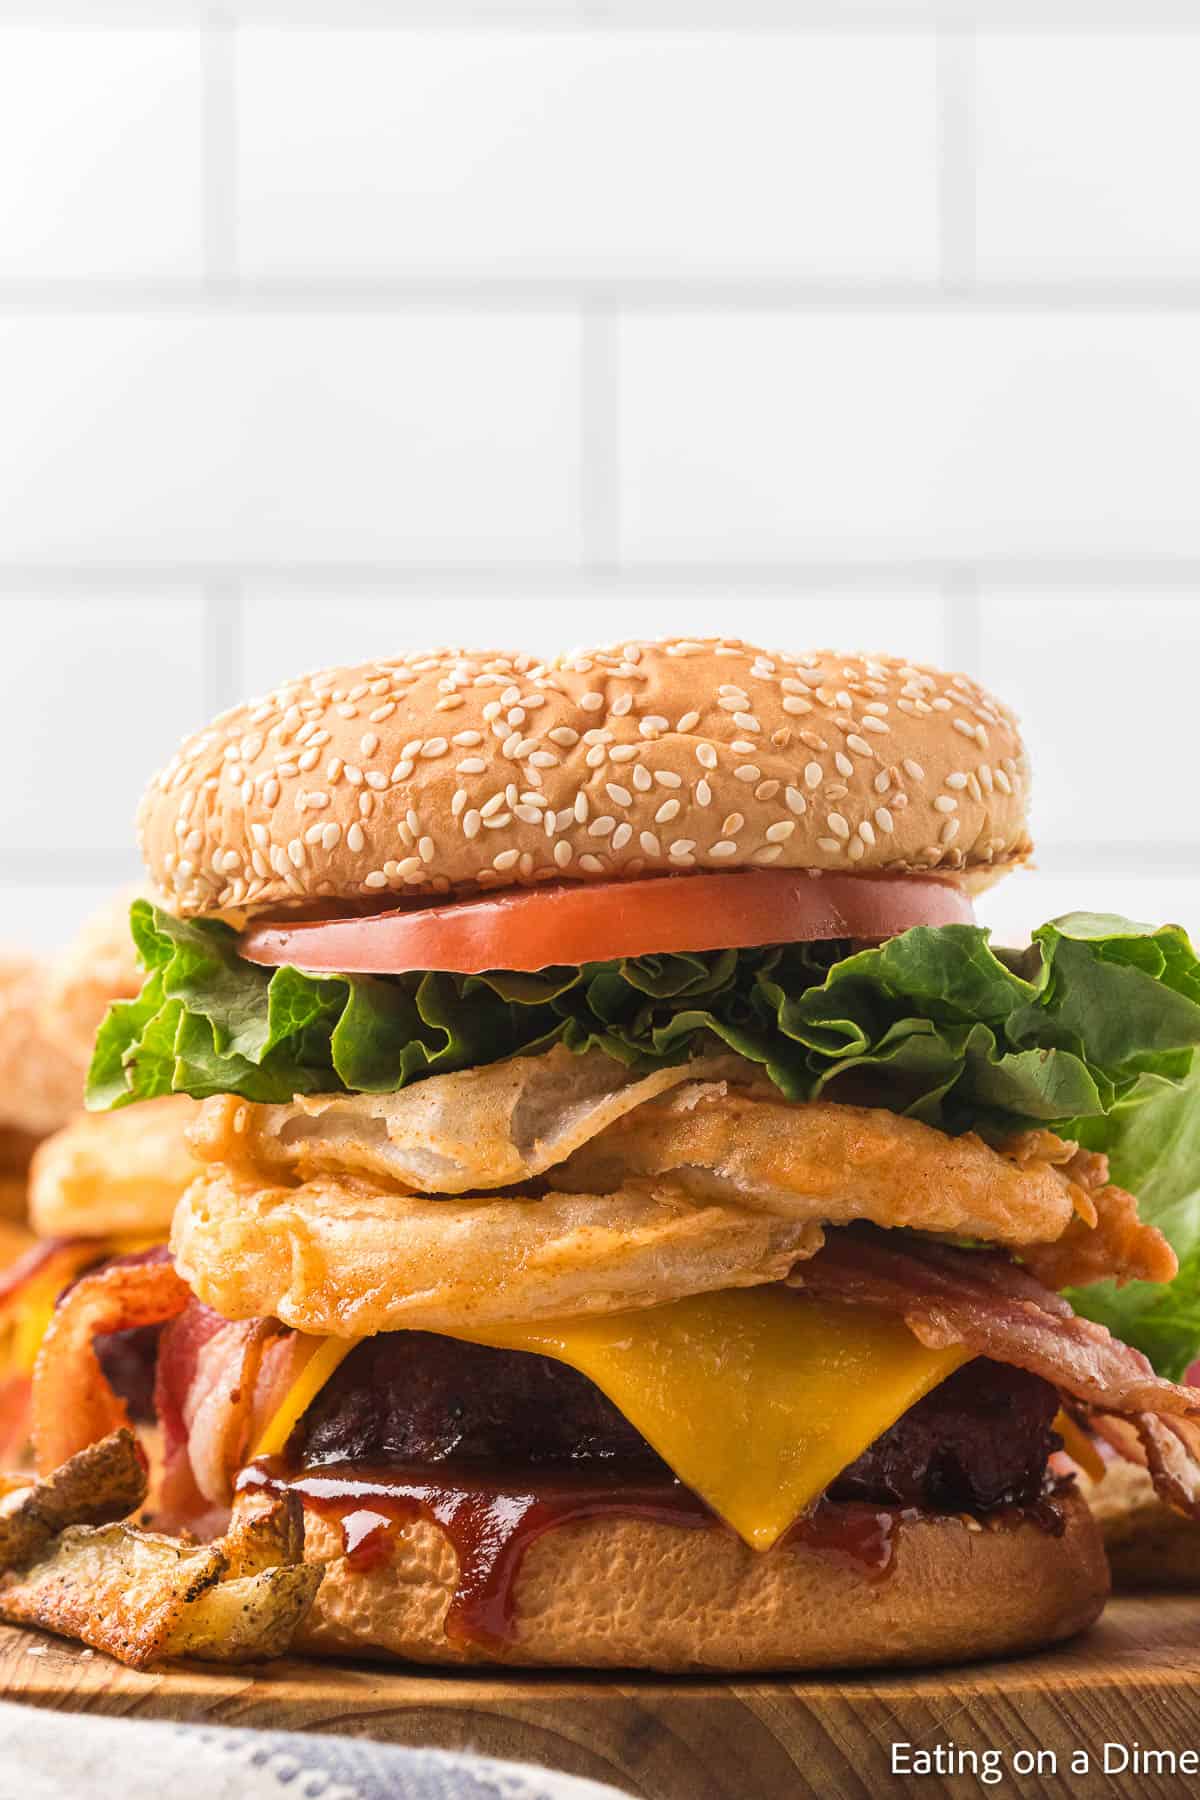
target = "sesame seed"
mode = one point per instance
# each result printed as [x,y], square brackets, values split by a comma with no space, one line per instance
[795,801]
[471,823]
[766,790]
[620,795]
[945,803]
[667,811]
[434,747]
[733,824]
[641,779]
[649,843]
[842,764]
[505,859]
[564,736]
[498,821]
[369,743]
[956,780]
[331,835]
[884,820]
[856,850]
[748,772]
[961,725]
[866,832]
[621,836]
[706,755]
[780,832]
[543,759]
[562,853]
[913,769]
[667,778]
[838,825]
[356,838]
[703,793]
[814,774]
[591,701]
[296,854]
[858,744]
[581,807]
[621,705]
[492,806]
[724,847]
[591,864]
[595,756]
[796,703]
[687,721]
[377,878]
[529,815]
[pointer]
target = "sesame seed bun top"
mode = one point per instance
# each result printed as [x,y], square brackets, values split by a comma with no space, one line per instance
[461,770]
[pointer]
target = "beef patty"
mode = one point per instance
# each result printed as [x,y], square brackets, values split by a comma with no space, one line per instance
[413,1398]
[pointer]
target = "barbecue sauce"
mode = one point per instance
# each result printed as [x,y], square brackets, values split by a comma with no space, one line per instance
[491,1522]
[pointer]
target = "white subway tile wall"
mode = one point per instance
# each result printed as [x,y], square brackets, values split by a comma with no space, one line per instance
[334,326]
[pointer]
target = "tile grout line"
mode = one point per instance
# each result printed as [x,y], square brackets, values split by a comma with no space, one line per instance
[220,150]
[957,269]
[956,160]
[599,437]
[222,644]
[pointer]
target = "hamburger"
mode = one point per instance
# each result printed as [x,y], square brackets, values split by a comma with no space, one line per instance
[636,1199]
[92,1188]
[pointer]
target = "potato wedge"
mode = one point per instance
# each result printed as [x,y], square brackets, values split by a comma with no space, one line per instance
[114,1587]
[139,1595]
[103,1483]
[249,1619]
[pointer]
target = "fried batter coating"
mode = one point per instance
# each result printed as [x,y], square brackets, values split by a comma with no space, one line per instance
[114,1173]
[830,1163]
[346,1258]
[490,1127]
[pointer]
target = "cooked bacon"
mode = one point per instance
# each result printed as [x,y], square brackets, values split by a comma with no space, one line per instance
[73,1403]
[216,1386]
[981,1299]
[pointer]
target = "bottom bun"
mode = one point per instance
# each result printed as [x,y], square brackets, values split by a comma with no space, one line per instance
[628,1593]
[1149,1545]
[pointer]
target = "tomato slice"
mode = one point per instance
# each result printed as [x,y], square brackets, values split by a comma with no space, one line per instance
[535,928]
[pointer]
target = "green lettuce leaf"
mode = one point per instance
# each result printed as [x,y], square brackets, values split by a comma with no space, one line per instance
[1099,1016]
[1153,1147]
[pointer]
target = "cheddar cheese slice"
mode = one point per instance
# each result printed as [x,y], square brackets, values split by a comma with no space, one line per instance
[756,1398]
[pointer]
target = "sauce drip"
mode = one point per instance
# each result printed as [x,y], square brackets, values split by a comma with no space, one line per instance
[491,1522]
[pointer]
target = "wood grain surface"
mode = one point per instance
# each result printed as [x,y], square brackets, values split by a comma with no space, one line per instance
[1134,1679]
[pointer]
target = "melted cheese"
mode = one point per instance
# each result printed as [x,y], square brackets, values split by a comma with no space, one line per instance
[1080,1447]
[320,1357]
[755,1398]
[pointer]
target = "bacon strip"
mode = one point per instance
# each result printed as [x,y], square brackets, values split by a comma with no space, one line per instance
[73,1404]
[981,1299]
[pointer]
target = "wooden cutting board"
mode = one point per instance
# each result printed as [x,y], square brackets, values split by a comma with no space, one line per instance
[1135,1679]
